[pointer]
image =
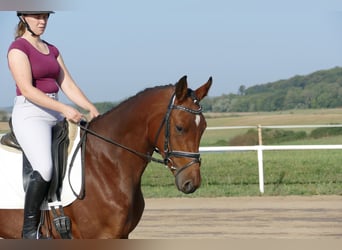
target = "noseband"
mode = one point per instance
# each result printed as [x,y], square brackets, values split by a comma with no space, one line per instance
[168,152]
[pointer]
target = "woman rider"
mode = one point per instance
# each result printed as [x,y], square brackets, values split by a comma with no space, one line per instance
[39,72]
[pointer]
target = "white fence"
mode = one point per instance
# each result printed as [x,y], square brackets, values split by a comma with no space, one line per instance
[260,148]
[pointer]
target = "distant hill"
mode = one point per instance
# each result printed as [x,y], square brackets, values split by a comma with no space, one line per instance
[320,89]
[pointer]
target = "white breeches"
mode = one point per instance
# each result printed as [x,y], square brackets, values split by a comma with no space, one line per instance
[32,126]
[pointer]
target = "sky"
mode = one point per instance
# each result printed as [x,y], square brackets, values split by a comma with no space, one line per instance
[115,49]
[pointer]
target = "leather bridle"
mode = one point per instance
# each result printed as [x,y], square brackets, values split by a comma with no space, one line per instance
[168,151]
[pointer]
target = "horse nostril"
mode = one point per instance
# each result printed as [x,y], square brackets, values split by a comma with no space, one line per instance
[188,187]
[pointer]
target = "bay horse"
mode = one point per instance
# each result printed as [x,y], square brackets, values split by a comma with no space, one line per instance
[167,119]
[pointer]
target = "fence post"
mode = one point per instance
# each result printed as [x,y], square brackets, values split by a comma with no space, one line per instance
[260,161]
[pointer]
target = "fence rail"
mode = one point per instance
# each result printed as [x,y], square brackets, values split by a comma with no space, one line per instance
[260,148]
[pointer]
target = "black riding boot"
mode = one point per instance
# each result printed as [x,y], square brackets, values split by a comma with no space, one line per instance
[36,191]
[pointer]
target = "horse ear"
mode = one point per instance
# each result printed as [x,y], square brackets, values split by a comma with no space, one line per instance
[181,89]
[202,91]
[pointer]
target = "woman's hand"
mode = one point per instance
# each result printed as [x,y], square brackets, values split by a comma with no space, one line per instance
[72,114]
[93,112]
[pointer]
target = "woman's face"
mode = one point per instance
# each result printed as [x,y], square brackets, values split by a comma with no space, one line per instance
[37,22]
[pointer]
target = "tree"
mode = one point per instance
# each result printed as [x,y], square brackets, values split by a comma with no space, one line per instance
[242,90]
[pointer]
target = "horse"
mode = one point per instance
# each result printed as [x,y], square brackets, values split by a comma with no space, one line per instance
[119,145]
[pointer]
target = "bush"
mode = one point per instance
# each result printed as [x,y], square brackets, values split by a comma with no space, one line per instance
[248,139]
[325,132]
[3,116]
[269,136]
[277,136]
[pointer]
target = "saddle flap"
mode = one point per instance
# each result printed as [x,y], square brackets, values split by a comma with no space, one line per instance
[60,144]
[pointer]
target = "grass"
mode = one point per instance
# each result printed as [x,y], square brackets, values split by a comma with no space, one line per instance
[236,174]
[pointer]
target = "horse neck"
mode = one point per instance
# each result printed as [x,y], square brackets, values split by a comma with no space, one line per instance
[133,117]
[130,125]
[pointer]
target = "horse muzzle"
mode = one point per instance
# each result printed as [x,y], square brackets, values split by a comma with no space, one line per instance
[188,178]
[188,187]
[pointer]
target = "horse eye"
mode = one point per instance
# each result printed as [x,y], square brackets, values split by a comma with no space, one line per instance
[179,129]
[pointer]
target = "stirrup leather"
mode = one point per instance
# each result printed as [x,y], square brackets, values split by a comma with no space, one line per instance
[62,223]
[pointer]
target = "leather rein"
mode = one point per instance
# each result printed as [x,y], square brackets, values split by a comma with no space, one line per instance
[168,152]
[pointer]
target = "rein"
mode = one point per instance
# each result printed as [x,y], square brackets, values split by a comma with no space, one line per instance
[167,145]
[147,156]
[84,126]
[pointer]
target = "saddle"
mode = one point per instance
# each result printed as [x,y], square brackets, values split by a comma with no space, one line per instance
[9,138]
[59,150]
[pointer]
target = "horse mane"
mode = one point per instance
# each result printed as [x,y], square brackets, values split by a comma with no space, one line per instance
[135,96]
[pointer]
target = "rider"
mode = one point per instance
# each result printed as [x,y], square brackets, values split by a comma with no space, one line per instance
[39,72]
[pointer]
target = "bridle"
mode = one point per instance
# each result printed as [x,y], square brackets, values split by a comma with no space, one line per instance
[168,152]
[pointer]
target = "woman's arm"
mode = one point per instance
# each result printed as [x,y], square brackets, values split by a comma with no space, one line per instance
[20,68]
[72,91]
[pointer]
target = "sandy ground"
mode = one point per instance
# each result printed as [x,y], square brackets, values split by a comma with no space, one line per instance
[288,217]
[4,126]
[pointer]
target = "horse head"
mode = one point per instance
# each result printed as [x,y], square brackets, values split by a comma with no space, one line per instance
[184,125]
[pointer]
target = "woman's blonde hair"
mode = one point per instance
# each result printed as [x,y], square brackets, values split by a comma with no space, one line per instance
[20,30]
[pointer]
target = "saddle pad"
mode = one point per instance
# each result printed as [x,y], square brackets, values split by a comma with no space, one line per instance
[11,183]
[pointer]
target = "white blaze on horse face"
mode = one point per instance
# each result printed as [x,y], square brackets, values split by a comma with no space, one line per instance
[197,120]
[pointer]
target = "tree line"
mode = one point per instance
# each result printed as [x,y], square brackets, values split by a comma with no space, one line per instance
[320,89]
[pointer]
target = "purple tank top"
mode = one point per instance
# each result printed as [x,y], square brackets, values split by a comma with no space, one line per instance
[45,68]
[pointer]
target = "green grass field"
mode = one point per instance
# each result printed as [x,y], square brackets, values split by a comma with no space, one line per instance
[304,172]
[236,174]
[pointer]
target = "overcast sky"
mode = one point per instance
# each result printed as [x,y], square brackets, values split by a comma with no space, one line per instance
[115,49]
